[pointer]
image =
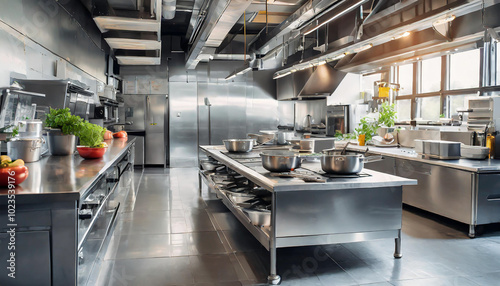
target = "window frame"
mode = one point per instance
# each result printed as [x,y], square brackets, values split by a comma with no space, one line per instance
[445,91]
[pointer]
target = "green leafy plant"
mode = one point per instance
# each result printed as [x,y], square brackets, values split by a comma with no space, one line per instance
[15,131]
[64,120]
[91,135]
[387,115]
[368,126]
[441,115]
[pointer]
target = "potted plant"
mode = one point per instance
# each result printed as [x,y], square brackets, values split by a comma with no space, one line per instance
[386,119]
[63,128]
[92,145]
[367,127]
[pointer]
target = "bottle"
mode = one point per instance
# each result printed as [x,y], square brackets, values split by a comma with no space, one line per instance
[490,143]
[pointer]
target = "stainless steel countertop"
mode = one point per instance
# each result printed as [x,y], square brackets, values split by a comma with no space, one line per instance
[68,177]
[256,173]
[478,166]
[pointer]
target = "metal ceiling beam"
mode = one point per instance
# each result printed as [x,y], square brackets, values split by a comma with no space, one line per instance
[221,17]
[264,43]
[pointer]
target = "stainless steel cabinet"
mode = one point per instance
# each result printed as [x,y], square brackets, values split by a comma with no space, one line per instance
[31,263]
[468,197]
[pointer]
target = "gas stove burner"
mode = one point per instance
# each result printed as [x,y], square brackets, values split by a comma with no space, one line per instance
[305,176]
[359,175]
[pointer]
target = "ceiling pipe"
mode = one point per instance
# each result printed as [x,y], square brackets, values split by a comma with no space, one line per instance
[232,57]
[168,10]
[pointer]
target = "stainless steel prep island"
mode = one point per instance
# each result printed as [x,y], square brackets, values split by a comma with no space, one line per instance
[337,211]
[464,190]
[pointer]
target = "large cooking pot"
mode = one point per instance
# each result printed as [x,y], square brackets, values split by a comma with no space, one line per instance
[332,162]
[27,149]
[281,137]
[280,161]
[239,145]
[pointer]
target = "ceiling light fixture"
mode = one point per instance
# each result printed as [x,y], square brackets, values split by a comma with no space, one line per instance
[362,48]
[320,63]
[405,34]
[444,20]
[335,58]
[335,17]
[280,75]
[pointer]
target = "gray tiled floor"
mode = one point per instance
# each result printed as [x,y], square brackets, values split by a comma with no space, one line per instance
[167,234]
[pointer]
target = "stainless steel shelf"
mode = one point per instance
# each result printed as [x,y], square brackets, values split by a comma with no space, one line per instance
[262,234]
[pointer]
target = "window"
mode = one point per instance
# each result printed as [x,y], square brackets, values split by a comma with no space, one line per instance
[403,107]
[431,75]
[429,108]
[457,101]
[464,69]
[405,79]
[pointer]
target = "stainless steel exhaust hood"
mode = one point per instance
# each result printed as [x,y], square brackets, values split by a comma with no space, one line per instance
[312,83]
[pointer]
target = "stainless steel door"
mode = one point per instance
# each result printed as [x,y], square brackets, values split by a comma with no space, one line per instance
[155,143]
[134,111]
[184,124]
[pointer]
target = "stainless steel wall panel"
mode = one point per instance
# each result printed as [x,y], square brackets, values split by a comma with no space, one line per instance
[286,111]
[48,24]
[183,102]
[219,112]
[315,108]
[177,71]
[236,106]
[263,113]
[203,120]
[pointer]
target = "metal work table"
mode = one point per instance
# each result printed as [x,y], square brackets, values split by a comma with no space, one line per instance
[61,178]
[477,166]
[337,211]
[256,173]
[464,190]
[55,244]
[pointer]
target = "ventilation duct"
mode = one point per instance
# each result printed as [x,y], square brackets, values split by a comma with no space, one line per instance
[168,10]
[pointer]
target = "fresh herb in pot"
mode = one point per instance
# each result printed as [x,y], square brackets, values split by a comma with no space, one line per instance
[64,120]
[387,115]
[91,135]
[368,127]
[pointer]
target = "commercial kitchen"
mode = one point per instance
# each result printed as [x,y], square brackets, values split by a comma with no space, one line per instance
[249,142]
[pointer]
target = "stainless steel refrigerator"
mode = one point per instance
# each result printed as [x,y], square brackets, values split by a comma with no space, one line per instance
[149,113]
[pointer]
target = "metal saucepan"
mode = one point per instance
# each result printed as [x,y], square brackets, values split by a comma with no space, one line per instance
[261,138]
[351,163]
[259,217]
[238,145]
[280,161]
[209,165]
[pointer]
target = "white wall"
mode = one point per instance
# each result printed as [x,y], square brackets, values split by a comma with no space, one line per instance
[348,92]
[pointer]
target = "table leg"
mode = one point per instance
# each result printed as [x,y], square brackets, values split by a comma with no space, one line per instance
[472,231]
[397,249]
[273,278]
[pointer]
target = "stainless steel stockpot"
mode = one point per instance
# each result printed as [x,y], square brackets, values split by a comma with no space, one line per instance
[280,161]
[239,145]
[351,163]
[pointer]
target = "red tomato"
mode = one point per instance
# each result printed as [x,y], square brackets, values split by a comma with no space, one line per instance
[108,135]
[120,134]
[13,175]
